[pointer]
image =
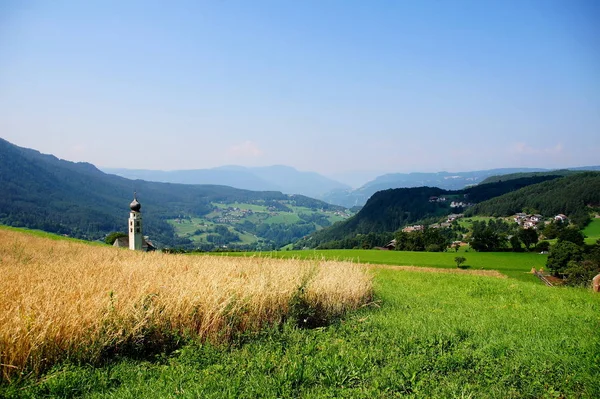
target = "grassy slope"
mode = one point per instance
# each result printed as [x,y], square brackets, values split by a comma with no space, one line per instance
[514,265]
[592,231]
[51,236]
[430,336]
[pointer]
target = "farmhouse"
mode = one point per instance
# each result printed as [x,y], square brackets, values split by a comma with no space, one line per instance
[560,218]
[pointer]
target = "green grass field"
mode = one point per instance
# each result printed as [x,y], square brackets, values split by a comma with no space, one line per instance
[514,265]
[592,231]
[426,336]
[468,222]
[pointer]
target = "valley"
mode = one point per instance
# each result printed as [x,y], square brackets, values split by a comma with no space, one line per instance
[261,225]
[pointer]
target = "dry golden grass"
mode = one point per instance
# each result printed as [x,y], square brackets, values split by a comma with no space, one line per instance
[66,300]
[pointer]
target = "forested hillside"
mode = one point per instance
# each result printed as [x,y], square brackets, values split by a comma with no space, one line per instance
[43,192]
[388,210]
[571,195]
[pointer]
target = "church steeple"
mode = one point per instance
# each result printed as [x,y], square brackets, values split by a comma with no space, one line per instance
[135,225]
[135,205]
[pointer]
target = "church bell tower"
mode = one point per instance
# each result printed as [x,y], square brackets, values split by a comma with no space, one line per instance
[135,225]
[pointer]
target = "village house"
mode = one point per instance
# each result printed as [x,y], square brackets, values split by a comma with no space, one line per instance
[561,218]
[460,204]
[437,199]
[417,227]
[453,216]
[528,221]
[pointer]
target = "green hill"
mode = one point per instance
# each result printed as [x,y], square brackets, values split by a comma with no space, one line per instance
[43,192]
[573,195]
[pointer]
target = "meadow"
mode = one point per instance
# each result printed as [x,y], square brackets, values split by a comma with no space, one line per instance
[515,265]
[592,231]
[65,300]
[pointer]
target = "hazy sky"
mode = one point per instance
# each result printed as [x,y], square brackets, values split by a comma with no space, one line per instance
[328,86]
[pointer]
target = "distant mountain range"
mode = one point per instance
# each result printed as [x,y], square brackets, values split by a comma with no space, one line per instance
[269,178]
[443,180]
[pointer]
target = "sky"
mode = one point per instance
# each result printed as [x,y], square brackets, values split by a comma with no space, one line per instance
[335,87]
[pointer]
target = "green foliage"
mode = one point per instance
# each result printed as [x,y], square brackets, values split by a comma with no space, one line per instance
[528,237]
[430,240]
[571,234]
[468,337]
[112,237]
[553,229]
[459,260]
[542,246]
[491,236]
[580,274]
[515,243]
[561,254]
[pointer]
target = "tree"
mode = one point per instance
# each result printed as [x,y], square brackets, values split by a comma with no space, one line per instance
[560,256]
[552,230]
[112,237]
[515,243]
[529,237]
[571,234]
[460,260]
[542,246]
[487,238]
[580,274]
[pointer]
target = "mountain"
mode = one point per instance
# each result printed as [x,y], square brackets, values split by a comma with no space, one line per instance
[43,192]
[388,210]
[444,180]
[269,178]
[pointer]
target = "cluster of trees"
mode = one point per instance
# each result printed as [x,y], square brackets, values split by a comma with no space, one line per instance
[359,241]
[572,260]
[221,235]
[430,240]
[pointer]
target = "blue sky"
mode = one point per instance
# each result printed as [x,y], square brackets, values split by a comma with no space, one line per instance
[328,86]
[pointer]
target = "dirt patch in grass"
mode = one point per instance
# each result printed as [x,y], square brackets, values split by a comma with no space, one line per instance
[489,273]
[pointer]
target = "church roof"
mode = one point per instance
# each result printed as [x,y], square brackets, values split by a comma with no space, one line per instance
[123,242]
[135,205]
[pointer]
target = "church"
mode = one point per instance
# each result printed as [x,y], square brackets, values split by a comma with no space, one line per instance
[135,240]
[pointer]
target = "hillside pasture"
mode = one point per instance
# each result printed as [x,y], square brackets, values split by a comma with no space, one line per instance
[61,299]
[514,265]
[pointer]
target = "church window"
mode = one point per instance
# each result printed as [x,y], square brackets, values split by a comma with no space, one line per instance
[137,230]
[131,230]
